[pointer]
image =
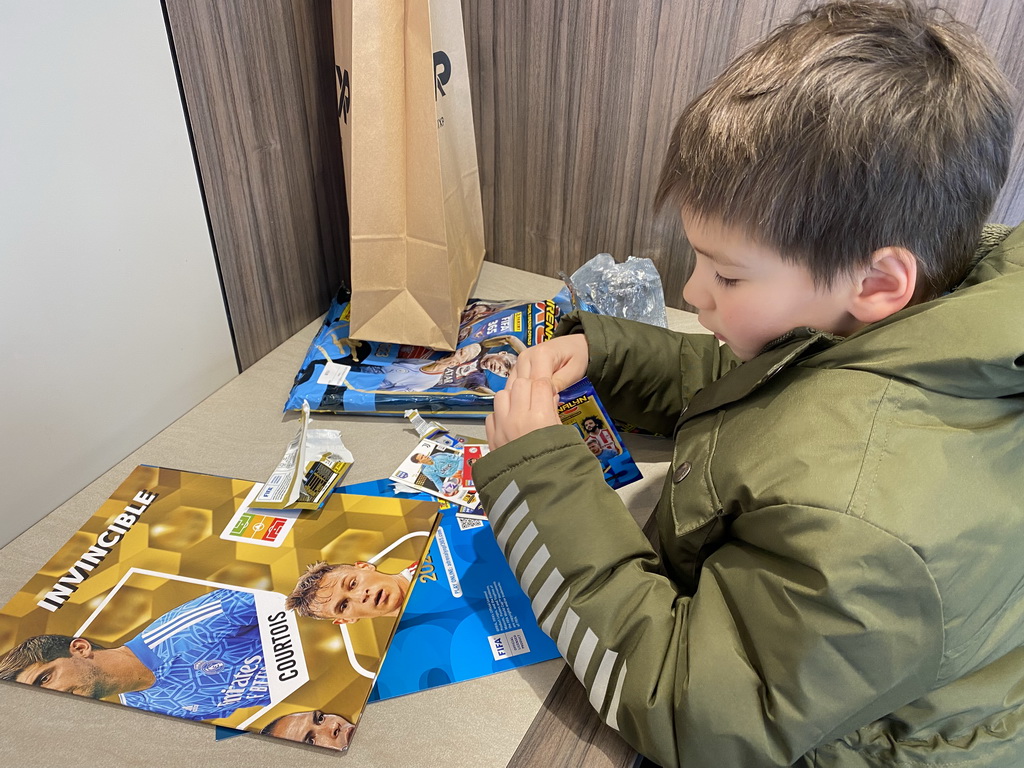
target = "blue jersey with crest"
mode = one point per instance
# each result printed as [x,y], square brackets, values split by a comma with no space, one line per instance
[445,465]
[207,658]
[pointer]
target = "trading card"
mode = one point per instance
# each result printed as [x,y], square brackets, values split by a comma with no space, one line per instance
[580,407]
[437,470]
[470,454]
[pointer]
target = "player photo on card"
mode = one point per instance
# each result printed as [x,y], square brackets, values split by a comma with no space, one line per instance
[438,470]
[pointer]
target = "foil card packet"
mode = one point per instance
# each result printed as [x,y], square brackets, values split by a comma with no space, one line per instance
[580,407]
[344,375]
[431,430]
[313,464]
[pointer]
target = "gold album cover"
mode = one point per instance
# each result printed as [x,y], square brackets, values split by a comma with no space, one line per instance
[179,597]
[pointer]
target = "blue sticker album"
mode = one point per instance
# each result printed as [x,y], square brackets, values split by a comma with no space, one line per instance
[467,616]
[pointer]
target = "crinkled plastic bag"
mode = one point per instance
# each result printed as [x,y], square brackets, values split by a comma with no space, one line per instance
[631,289]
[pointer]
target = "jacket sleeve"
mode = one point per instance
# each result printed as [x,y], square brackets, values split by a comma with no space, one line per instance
[783,645]
[644,374]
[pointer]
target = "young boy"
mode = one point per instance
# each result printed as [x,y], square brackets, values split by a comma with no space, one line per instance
[841,579]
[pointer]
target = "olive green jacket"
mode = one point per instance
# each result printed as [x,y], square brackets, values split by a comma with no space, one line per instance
[841,581]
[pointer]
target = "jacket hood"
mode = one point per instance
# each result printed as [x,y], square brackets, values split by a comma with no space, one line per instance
[967,343]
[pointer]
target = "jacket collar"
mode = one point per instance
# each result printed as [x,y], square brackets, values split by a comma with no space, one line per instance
[785,351]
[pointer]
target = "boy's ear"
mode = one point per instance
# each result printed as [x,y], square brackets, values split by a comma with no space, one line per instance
[886,286]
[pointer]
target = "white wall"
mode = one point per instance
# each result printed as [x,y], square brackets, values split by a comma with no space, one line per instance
[112,322]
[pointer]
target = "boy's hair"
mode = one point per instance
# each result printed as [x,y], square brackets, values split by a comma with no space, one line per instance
[857,125]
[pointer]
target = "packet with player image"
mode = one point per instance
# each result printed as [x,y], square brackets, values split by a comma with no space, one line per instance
[345,375]
[580,407]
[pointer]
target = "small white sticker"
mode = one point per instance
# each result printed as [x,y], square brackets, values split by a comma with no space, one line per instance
[449,564]
[333,374]
[508,644]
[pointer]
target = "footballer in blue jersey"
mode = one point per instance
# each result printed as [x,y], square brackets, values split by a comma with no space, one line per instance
[201,660]
[207,658]
[439,467]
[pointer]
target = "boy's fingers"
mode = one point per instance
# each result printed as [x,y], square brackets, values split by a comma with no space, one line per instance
[525,368]
[521,407]
[490,431]
[496,421]
[543,389]
[521,395]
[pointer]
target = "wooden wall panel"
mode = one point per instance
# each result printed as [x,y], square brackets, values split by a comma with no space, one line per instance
[258,80]
[574,102]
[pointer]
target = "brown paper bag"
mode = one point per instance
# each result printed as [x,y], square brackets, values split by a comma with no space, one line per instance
[411,176]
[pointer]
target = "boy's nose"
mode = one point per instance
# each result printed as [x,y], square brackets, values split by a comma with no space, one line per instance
[695,293]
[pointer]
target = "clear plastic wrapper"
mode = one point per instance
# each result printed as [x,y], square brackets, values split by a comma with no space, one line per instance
[631,290]
[431,430]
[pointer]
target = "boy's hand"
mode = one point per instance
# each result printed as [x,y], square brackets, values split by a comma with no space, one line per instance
[563,360]
[521,407]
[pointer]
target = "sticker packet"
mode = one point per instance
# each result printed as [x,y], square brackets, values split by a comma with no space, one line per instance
[309,470]
[344,375]
[579,407]
[437,469]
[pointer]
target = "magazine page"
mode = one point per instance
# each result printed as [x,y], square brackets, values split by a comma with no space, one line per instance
[176,597]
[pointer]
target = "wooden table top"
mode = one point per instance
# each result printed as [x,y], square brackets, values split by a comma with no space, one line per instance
[536,715]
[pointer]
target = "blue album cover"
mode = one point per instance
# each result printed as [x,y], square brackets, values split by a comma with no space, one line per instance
[467,616]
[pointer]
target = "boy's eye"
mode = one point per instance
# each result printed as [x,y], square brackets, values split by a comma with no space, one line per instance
[727,282]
